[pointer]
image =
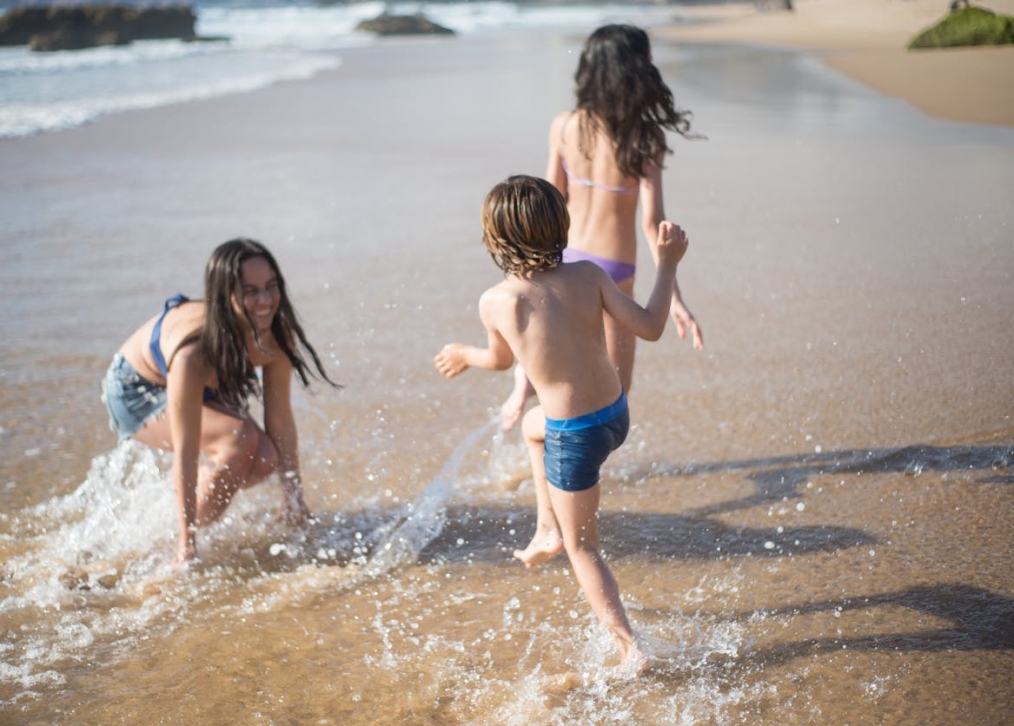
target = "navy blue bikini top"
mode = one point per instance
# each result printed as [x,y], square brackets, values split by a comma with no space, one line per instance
[153,345]
[210,394]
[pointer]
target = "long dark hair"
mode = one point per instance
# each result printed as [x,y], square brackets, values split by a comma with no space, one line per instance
[619,87]
[222,338]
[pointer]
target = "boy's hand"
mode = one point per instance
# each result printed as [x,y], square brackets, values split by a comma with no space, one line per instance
[451,360]
[672,240]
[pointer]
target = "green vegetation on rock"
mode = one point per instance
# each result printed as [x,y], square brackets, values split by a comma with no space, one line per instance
[967,26]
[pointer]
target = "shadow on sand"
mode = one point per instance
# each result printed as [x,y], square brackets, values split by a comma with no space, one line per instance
[980,620]
[778,478]
[485,533]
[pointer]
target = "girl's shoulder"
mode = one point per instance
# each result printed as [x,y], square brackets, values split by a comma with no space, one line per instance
[560,123]
[183,322]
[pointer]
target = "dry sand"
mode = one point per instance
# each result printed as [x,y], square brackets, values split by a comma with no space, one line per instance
[868,39]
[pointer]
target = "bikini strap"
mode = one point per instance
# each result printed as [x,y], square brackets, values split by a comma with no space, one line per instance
[573,178]
[154,344]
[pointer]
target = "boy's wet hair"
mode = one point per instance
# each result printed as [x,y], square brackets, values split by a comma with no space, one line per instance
[525,224]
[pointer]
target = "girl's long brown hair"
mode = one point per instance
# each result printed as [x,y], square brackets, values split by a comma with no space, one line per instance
[222,338]
[620,88]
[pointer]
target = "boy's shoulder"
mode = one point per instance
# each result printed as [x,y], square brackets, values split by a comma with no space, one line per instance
[581,271]
[508,287]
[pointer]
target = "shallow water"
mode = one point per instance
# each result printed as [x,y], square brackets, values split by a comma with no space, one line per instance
[810,523]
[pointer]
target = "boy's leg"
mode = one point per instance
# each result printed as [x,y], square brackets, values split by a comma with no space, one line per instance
[576,513]
[547,541]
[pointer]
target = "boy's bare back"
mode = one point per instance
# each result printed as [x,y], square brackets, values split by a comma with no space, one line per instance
[552,321]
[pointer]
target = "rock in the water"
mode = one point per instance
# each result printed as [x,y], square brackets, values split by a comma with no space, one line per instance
[386,24]
[75,39]
[85,26]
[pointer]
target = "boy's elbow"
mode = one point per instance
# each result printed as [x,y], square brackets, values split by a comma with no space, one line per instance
[654,331]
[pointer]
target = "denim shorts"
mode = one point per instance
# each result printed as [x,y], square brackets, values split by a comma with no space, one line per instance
[576,448]
[130,399]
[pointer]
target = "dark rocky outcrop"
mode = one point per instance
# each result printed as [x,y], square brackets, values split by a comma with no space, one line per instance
[385,24]
[85,26]
[967,25]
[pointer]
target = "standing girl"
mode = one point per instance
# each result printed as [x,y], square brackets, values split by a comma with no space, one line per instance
[604,157]
[182,380]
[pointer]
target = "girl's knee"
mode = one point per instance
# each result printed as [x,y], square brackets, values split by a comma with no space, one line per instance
[248,452]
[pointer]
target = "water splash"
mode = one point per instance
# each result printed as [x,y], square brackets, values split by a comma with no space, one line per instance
[426,515]
[73,561]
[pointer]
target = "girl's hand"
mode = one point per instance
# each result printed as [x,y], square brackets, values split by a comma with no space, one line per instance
[685,321]
[451,360]
[294,511]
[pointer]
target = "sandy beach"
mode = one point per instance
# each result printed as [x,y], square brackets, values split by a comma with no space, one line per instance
[811,521]
[868,39]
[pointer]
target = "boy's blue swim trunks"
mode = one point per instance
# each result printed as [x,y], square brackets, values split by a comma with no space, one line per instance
[577,447]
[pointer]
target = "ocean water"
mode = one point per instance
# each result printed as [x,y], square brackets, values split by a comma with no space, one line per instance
[267,44]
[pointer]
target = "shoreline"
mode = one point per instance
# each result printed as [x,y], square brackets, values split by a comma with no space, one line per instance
[867,40]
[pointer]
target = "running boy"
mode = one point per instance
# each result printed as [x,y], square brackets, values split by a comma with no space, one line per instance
[550,316]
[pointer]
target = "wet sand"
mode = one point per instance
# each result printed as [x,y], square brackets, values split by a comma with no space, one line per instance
[811,521]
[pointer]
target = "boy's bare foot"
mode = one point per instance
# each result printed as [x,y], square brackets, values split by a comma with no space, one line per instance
[541,549]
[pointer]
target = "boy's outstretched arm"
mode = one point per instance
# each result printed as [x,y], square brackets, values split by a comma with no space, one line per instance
[648,322]
[457,358]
